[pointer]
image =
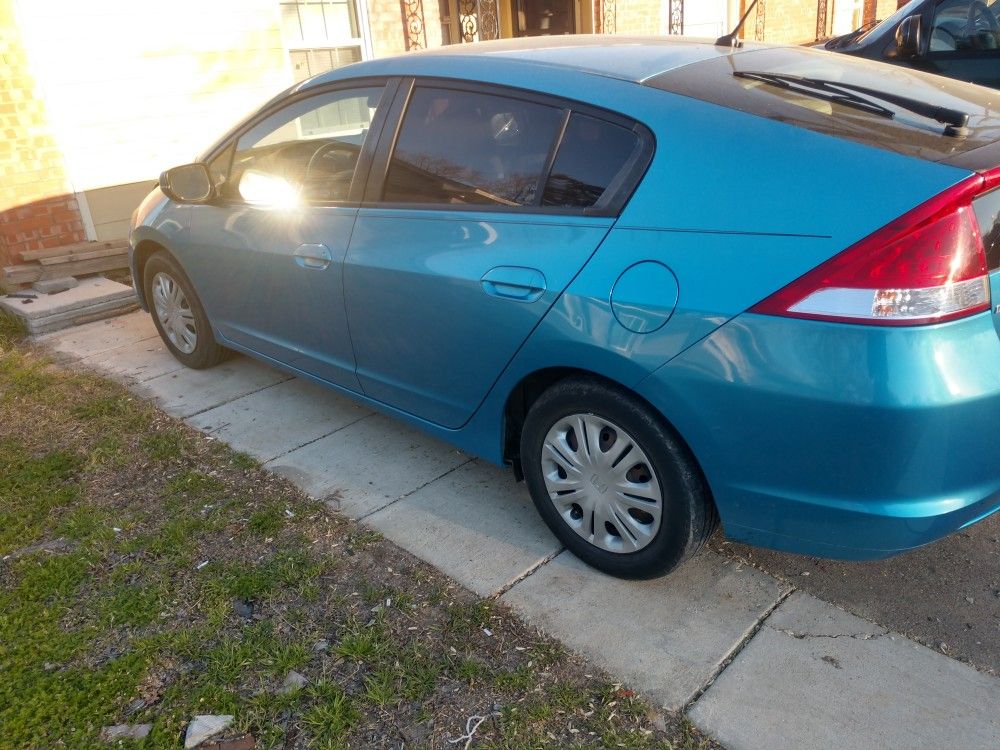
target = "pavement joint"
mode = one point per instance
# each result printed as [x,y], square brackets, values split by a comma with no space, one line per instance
[528,573]
[226,401]
[405,495]
[735,651]
[309,442]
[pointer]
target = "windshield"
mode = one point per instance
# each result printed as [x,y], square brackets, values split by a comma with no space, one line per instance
[907,10]
[905,132]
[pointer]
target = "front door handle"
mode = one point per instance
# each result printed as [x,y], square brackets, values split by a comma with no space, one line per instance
[313,257]
[514,282]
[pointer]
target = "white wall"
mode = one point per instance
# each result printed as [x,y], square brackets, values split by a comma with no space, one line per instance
[135,86]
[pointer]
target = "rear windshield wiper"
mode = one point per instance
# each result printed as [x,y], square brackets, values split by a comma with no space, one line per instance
[955,121]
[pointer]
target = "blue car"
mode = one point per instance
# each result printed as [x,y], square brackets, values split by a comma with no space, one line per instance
[669,283]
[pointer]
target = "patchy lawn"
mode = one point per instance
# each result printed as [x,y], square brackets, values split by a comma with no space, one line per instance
[148,574]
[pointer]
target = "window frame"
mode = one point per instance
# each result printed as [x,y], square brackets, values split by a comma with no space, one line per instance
[612,201]
[366,156]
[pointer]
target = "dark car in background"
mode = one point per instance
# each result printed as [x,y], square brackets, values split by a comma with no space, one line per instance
[955,38]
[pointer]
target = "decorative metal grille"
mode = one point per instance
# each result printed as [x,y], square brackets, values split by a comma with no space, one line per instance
[761,13]
[489,19]
[820,19]
[413,23]
[468,20]
[609,16]
[676,16]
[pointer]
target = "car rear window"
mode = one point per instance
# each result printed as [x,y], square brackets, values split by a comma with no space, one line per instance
[907,133]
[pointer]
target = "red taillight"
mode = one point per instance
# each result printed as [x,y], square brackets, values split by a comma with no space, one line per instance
[927,266]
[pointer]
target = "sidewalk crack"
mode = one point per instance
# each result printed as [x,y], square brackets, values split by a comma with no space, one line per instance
[738,648]
[799,635]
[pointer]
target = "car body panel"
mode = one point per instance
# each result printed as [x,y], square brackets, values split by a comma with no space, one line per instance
[845,440]
[854,441]
[418,303]
[259,294]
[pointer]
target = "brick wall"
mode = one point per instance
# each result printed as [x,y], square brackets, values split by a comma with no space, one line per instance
[641,17]
[786,21]
[36,207]
[385,18]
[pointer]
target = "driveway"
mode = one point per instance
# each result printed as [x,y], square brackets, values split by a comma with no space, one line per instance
[761,650]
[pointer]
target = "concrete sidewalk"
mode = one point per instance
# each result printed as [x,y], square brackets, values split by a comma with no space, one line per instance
[752,661]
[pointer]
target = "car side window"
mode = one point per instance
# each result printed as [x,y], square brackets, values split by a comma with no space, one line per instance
[463,147]
[964,26]
[592,153]
[308,150]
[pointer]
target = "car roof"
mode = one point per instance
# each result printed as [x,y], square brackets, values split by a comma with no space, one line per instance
[621,57]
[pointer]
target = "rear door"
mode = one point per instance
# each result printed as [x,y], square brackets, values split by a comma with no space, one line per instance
[482,206]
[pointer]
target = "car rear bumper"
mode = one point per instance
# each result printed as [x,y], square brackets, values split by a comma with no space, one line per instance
[845,441]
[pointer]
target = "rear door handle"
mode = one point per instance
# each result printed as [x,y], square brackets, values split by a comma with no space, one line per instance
[514,282]
[313,257]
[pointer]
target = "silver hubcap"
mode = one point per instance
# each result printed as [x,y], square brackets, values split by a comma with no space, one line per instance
[174,313]
[602,483]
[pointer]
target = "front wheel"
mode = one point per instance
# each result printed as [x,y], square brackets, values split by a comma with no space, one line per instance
[178,314]
[614,483]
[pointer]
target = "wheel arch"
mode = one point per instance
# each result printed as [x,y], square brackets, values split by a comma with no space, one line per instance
[143,251]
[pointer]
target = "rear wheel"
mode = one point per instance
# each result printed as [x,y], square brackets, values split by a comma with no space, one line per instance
[178,314]
[613,481]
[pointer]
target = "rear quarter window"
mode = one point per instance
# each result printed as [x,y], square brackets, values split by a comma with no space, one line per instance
[592,153]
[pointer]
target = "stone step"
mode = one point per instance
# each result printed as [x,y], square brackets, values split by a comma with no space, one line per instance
[92,299]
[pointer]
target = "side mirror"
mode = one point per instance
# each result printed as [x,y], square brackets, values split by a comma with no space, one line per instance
[908,37]
[189,183]
[268,190]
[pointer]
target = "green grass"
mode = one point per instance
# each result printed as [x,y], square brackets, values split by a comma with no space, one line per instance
[12,330]
[269,521]
[164,446]
[136,548]
[331,717]
[32,490]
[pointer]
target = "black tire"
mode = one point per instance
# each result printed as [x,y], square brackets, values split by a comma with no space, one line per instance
[206,352]
[688,513]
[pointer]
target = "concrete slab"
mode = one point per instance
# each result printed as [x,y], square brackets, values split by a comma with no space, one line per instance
[666,637]
[188,392]
[54,286]
[369,464]
[101,311]
[94,338]
[818,677]
[474,524]
[138,362]
[91,299]
[88,292]
[276,420]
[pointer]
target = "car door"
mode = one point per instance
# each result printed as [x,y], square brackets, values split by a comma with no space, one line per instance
[473,223]
[268,255]
[964,42]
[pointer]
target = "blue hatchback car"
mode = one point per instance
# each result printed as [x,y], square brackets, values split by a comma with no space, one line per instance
[669,283]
